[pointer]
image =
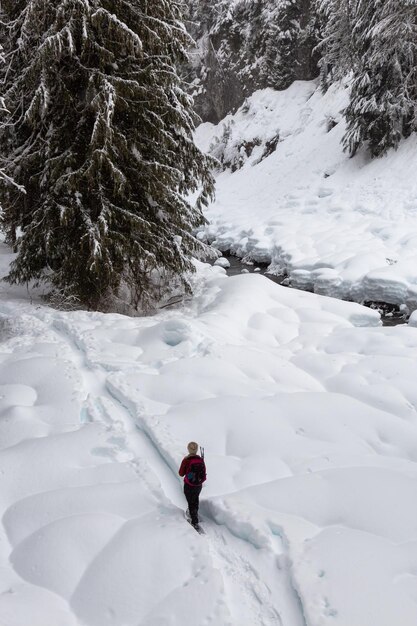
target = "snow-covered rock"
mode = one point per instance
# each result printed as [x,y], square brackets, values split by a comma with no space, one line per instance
[222,262]
[413,319]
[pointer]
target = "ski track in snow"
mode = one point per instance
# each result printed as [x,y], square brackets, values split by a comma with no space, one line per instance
[100,404]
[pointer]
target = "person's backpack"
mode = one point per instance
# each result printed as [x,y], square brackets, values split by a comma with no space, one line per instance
[196,473]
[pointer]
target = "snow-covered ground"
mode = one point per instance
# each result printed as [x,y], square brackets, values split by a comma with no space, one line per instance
[339,226]
[306,407]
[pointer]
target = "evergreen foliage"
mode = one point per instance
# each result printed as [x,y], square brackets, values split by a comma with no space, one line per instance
[98,130]
[4,178]
[269,35]
[384,91]
[337,18]
[280,42]
[375,40]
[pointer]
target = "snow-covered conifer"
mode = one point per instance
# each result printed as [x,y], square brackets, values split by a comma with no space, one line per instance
[99,132]
[289,41]
[280,37]
[274,34]
[4,178]
[337,18]
[384,90]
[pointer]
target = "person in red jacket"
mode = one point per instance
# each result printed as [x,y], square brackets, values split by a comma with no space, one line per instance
[193,469]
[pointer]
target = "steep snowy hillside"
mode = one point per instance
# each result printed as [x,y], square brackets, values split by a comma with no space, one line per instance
[289,196]
[307,410]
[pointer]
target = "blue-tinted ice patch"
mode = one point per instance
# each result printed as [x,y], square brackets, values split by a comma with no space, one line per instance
[175,332]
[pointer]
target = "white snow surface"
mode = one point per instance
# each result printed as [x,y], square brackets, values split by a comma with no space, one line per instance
[306,407]
[339,226]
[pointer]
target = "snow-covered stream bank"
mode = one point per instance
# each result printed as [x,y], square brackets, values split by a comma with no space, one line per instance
[307,409]
[391,314]
[291,198]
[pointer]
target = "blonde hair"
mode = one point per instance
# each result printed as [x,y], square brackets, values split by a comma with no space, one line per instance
[192,447]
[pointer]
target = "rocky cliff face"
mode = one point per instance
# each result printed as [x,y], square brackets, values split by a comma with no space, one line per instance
[244,45]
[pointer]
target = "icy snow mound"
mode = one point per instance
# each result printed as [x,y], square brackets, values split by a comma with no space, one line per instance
[291,197]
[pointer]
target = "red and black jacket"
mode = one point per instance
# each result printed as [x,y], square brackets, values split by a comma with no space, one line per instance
[188,464]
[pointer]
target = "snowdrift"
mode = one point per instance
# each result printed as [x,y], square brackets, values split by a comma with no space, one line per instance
[307,410]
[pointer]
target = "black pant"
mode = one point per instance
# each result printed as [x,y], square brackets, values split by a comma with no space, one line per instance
[192,494]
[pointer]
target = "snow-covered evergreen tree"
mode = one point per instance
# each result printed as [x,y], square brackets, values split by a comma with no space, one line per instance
[272,33]
[4,178]
[99,132]
[280,39]
[337,53]
[383,102]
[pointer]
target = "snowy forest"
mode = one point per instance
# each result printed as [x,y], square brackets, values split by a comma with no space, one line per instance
[244,46]
[208,312]
[96,128]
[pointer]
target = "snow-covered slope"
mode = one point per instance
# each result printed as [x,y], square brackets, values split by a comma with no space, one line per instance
[339,226]
[307,410]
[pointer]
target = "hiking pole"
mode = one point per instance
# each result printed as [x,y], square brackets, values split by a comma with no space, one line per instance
[202,452]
